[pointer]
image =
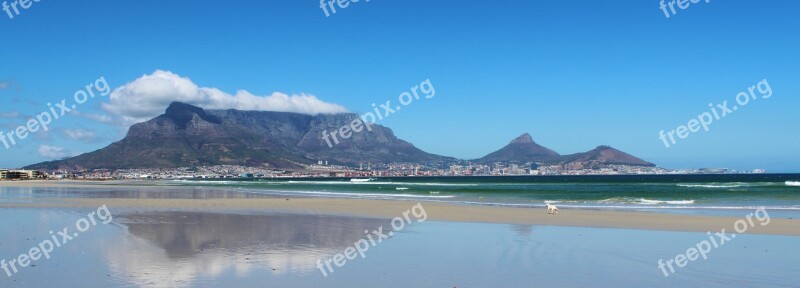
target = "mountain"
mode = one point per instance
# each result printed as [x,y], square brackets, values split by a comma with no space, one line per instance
[522,149]
[187,135]
[602,155]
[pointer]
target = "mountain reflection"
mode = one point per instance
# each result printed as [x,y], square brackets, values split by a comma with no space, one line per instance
[170,249]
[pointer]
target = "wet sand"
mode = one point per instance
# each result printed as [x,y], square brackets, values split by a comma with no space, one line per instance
[387,209]
[213,249]
[182,236]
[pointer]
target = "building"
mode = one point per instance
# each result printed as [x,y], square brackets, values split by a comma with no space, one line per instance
[20,174]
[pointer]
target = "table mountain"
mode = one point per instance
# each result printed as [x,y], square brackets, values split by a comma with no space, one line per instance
[187,135]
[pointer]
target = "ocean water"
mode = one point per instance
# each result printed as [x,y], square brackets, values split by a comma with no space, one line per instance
[705,194]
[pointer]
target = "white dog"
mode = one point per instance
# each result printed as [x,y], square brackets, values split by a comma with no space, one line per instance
[552,209]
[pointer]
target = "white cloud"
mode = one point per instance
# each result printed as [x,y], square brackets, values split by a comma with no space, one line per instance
[54,152]
[149,96]
[9,84]
[10,114]
[79,134]
[102,118]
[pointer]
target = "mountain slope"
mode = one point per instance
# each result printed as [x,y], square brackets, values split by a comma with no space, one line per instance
[604,155]
[187,135]
[522,149]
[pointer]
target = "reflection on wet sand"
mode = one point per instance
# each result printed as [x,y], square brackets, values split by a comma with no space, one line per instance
[186,248]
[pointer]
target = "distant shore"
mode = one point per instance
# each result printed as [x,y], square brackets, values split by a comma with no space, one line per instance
[387,209]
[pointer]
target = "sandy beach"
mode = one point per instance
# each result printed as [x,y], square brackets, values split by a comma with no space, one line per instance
[388,209]
[164,234]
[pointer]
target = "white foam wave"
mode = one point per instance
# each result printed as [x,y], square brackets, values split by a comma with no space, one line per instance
[626,207]
[381,183]
[671,202]
[645,201]
[354,195]
[711,185]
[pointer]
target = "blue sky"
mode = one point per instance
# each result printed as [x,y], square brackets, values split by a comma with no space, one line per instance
[574,74]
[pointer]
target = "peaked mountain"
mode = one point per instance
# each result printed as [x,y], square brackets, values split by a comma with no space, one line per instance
[522,149]
[187,135]
[604,155]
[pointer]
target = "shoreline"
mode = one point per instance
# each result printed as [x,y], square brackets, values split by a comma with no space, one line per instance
[436,211]
[388,209]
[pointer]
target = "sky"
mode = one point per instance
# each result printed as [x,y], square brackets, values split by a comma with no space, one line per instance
[573,74]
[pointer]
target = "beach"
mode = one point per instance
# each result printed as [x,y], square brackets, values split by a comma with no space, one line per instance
[179,236]
[387,209]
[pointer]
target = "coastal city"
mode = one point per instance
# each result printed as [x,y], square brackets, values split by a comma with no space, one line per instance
[322,169]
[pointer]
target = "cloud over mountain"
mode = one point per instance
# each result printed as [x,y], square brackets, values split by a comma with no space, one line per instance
[54,152]
[147,96]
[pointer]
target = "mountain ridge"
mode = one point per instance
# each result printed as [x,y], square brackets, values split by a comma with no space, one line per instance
[523,150]
[187,135]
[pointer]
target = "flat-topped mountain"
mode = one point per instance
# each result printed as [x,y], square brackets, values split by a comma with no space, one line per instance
[187,135]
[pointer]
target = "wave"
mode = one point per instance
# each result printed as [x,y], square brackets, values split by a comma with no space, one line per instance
[732,185]
[680,207]
[350,195]
[671,202]
[379,183]
[644,201]
[625,207]
[792,183]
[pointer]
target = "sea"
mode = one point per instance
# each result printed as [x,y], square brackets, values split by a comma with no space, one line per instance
[718,194]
